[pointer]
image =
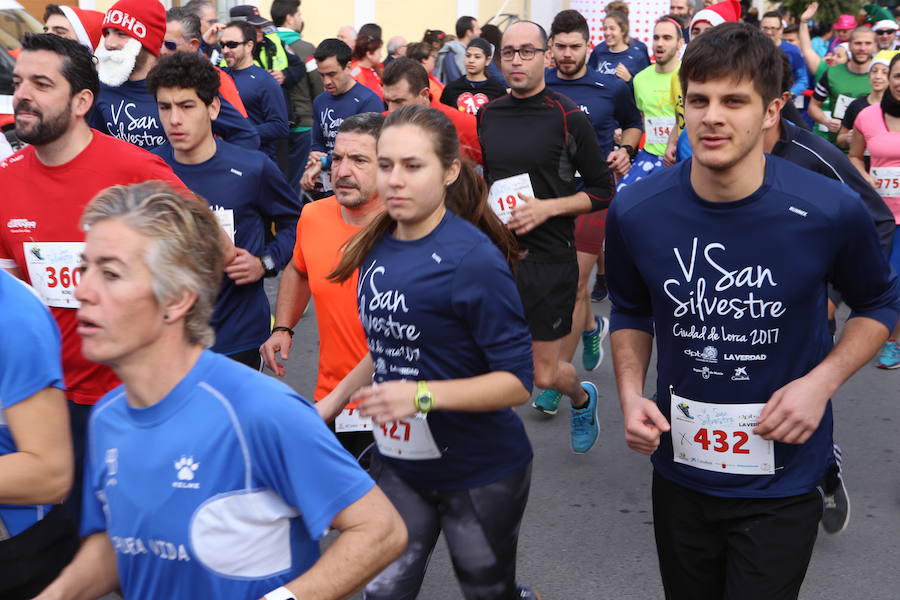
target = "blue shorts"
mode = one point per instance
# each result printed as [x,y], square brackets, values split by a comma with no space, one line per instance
[644,164]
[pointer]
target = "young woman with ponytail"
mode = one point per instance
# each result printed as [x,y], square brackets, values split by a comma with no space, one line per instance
[450,354]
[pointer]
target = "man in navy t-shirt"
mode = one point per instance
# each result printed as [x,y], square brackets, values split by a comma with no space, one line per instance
[245,189]
[726,262]
[260,93]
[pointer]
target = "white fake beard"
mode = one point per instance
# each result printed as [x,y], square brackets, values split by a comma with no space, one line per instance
[114,67]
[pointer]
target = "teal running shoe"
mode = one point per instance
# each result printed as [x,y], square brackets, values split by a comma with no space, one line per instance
[890,356]
[585,426]
[547,402]
[592,344]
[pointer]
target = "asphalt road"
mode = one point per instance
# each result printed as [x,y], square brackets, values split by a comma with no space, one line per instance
[587,533]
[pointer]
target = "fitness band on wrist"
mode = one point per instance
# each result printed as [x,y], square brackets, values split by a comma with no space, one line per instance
[282,328]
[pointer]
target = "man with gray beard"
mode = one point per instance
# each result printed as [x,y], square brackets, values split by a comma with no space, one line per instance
[133,32]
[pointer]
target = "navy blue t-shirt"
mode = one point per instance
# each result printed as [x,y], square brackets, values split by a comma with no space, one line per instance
[330,111]
[607,101]
[604,61]
[265,104]
[446,307]
[737,292]
[130,113]
[250,185]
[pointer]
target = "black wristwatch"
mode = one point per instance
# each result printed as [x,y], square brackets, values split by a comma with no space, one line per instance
[268,264]
[629,149]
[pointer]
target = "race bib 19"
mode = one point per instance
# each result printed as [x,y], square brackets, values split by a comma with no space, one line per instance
[406,439]
[887,181]
[504,194]
[719,437]
[658,129]
[53,270]
[349,420]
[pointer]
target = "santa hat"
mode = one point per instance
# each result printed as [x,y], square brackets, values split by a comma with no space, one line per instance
[144,20]
[728,11]
[87,24]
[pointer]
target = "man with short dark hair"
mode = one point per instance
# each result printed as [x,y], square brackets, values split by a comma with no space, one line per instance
[534,190]
[261,94]
[342,97]
[772,26]
[243,187]
[741,431]
[451,64]
[79,24]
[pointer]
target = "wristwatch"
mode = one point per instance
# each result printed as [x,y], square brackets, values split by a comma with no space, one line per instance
[268,264]
[281,593]
[424,398]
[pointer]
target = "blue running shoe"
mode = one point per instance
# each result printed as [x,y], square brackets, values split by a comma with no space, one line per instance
[599,293]
[547,402]
[592,344]
[585,427]
[890,355]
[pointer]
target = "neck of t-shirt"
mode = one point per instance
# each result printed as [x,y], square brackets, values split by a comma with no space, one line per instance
[624,47]
[729,185]
[664,69]
[581,73]
[530,94]
[67,147]
[199,154]
[362,215]
[476,78]
[858,69]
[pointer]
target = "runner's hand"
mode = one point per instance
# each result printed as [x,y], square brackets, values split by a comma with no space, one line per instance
[669,157]
[278,75]
[278,341]
[619,161]
[622,72]
[794,411]
[644,424]
[211,37]
[810,12]
[387,401]
[528,214]
[834,125]
[245,268]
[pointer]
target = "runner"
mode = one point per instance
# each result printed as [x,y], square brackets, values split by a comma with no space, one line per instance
[608,103]
[877,130]
[367,63]
[533,141]
[614,55]
[342,98]
[773,27]
[245,189]
[474,89]
[132,37]
[439,307]
[407,83]
[426,55]
[841,84]
[653,93]
[36,539]
[260,93]
[217,510]
[878,81]
[324,228]
[886,34]
[65,166]
[450,64]
[745,360]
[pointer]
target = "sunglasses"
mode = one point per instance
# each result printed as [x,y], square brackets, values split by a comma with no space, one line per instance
[232,45]
[886,32]
[170,46]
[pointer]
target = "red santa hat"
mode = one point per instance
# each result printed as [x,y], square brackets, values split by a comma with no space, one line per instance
[728,11]
[87,24]
[144,20]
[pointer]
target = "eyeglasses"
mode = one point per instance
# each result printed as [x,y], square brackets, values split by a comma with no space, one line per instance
[886,32]
[233,44]
[525,52]
[170,46]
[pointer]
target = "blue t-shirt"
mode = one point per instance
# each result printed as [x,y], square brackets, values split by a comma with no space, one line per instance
[130,113]
[606,100]
[330,111]
[737,293]
[220,490]
[250,185]
[446,307]
[265,104]
[798,66]
[30,361]
[604,61]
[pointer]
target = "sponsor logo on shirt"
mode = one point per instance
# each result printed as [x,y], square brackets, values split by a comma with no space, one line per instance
[740,374]
[11,160]
[709,354]
[21,225]
[744,357]
[186,468]
[706,372]
[112,465]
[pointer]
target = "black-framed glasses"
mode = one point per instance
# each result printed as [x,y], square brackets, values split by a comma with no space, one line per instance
[170,45]
[525,52]
[232,44]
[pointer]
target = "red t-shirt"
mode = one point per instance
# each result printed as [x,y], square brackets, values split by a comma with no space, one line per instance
[369,77]
[39,214]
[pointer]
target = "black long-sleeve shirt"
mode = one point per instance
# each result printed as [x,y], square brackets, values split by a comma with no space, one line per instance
[550,138]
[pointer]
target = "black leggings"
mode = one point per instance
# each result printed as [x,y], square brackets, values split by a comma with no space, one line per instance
[481,526]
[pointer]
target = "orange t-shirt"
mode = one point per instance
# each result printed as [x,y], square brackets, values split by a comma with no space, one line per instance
[435,87]
[466,130]
[370,78]
[321,235]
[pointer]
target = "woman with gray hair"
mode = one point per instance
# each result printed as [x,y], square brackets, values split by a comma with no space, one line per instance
[208,479]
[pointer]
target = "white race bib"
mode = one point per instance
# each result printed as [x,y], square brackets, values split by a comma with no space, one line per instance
[504,194]
[840,106]
[658,129]
[349,420]
[719,437]
[824,128]
[407,439]
[799,101]
[226,220]
[887,181]
[53,270]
